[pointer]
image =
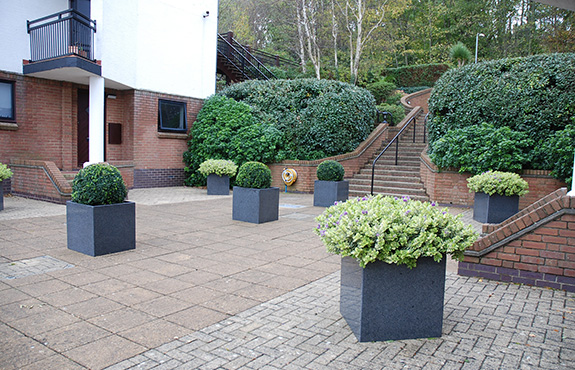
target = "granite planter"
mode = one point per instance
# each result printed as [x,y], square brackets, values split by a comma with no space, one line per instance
[255,205]
[326,193]
[391,302]
[493,209]
[218,185]
[103,229]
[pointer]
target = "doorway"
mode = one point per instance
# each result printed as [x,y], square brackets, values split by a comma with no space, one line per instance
[83,127]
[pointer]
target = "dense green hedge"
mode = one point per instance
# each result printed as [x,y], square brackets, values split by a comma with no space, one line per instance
[317,118]
[226,129]
[418,75]
[534,96]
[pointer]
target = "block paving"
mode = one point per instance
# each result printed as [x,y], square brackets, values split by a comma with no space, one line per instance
[203,291]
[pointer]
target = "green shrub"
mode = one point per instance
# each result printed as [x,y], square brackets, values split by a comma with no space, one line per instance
[5,172]
[477,149]
[397,111]
[317,118]
[381,90]
[98,184]
[393,230]
[254,175]
[497,182]
[330,171]
[226,129]
[534,96]
[394,99]
[418,75]
[556,153]
[220,167]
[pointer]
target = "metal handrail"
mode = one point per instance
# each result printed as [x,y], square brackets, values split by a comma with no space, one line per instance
[64,33]
[396,141]
[237,54]
[384,114]
[240,69]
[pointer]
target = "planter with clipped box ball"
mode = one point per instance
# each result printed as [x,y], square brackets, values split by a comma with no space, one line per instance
[253,199]
[496,195]
[99,220]
[5,174]
[330,186]
[218,173]
[395,288]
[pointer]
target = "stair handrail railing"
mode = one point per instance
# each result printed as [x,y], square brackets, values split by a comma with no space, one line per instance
[242,56]
[396,141]
[239,68]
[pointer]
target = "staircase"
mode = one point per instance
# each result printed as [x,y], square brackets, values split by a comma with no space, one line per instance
[398,180]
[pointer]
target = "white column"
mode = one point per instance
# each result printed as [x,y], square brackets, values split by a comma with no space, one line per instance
[96,132]
[572,192]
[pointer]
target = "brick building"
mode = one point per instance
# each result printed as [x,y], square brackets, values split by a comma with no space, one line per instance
[101,80]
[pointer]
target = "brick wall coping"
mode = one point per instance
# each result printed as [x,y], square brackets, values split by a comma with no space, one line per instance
[405,100]
[53,173]
[539,213]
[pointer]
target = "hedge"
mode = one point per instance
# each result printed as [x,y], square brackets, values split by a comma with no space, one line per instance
[316,118]
[418,75]
[533,95]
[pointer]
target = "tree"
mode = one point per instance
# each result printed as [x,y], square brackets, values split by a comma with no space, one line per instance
[460,53]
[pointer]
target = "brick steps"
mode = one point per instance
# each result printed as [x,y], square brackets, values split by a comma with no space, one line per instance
[391,179]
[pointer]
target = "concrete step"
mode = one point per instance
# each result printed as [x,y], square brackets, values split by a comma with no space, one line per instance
[400,182]
[398,194]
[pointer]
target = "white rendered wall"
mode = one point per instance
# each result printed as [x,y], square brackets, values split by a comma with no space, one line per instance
[14,39]
[158,45]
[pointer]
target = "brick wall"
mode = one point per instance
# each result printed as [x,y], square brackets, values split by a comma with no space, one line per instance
[158,157]
[450,187]
[46,130]
[39,180]
[535,247]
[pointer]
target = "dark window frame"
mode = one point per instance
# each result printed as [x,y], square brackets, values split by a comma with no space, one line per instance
[13,96]
[162,126]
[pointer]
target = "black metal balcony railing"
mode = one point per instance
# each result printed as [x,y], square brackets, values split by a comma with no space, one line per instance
[64,33]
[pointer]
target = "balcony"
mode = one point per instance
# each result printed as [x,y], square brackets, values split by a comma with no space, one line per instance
[62,47]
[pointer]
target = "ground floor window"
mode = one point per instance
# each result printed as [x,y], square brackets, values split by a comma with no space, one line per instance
[172,116]
[7,109]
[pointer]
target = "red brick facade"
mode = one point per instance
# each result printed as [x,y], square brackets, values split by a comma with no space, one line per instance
[45,130]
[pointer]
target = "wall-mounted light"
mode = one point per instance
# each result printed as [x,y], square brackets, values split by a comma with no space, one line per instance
[111,96]
[206,14]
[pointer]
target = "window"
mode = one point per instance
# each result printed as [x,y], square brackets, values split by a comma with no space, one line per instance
[172,116]
[7,110]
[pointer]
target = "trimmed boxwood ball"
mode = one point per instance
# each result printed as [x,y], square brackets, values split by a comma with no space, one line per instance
[98,184]
[330,171]
[255,175]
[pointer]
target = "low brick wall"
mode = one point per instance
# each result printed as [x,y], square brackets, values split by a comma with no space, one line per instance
[535,247]
[353,162]
[39,180]
[448,186]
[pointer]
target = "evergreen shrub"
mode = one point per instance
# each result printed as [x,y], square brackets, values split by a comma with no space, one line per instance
[227,129]
[98,184]
[397,111]
[316,118]
[533,96]
[381,90]
[418,75]
[254,175]
[330,171]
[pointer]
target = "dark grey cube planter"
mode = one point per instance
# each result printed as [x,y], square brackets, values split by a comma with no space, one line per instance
[218,185]
[326,193]
[255,205]
[99,230]
[493,209]
[390,302]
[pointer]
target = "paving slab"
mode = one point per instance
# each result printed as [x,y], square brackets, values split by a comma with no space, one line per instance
[202,291]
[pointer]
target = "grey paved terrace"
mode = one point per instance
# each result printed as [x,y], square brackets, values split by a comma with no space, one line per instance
[201,291]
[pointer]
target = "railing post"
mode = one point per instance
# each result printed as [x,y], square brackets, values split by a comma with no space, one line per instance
[396,150]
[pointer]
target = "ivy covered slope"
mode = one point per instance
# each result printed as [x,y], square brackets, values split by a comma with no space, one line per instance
[269,121]
[504,115]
